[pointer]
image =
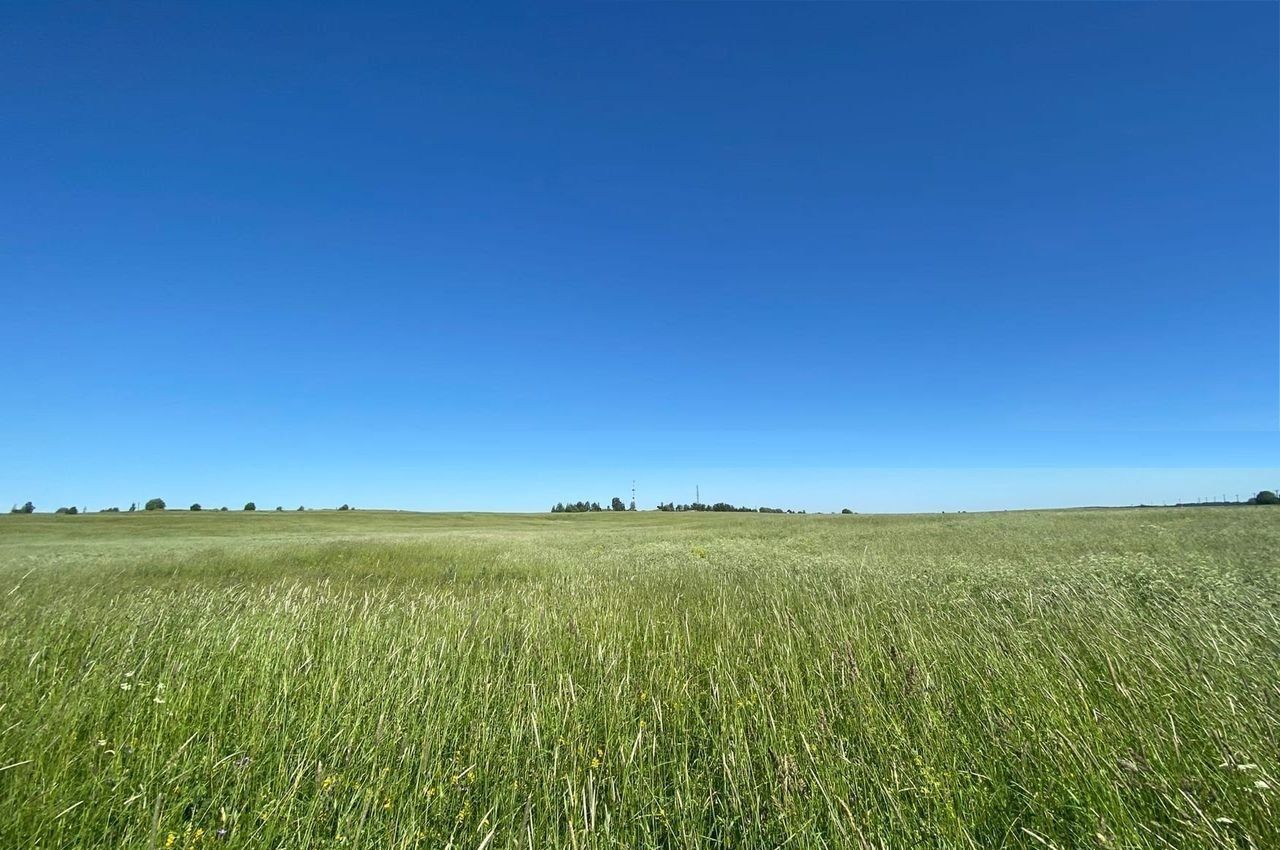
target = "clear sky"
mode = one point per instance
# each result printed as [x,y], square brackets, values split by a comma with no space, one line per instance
[894,257]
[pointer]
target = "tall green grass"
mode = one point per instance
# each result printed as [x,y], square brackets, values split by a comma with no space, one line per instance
[1071,679]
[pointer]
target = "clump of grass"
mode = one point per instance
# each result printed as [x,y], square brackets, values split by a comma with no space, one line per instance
[373,680]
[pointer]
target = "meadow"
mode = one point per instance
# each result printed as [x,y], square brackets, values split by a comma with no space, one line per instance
[641,680]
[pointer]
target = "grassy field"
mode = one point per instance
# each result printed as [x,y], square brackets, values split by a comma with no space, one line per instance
[1055,679]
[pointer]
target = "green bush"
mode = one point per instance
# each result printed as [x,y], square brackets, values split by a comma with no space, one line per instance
[250,506]
[154,505]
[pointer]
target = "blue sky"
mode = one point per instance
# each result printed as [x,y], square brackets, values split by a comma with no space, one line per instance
[895,257]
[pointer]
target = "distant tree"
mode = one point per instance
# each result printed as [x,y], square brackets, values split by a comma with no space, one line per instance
[595,506]
[1266,497]
[845,511]
[196,507]
[632,506]
[154,505]
[617,505]
[279,508]
[27,508]
[345,508]
[111,510]
[222,509]
[301,508]
[250,506]
[71,511]
[133,507]
[557,508]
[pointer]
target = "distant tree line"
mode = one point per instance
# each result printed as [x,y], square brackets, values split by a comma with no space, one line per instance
[575,507]
[152,505]
[722,507]
[1263,497]
[615,504]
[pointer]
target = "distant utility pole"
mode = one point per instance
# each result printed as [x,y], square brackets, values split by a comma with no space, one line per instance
[633,494]
[697,495]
